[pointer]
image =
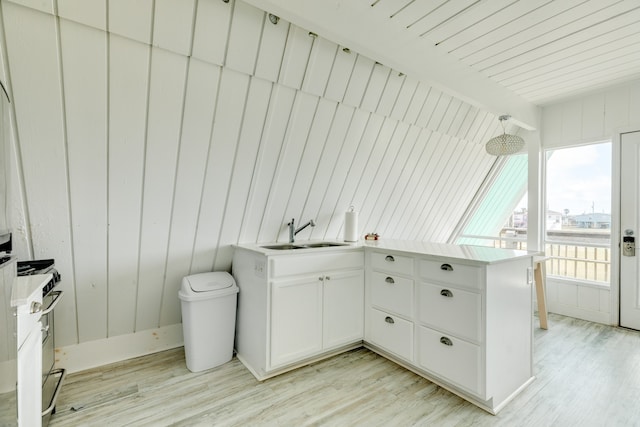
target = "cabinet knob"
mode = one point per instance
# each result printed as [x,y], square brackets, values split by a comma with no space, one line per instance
[390,280]
[389,320]
[327,277]
[321,278]
[446,341]
[446,293]
[446,267]
[389,258]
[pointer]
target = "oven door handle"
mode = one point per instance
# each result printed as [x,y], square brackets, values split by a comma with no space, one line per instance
[57,295]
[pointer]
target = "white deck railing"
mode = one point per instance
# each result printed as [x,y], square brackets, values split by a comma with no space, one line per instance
[575,260]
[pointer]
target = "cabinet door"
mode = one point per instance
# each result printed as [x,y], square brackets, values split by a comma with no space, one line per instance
[296,319]
[343,318]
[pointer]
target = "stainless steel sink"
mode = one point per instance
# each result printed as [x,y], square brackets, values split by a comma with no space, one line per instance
[324,245]
[287,246]
[283,246]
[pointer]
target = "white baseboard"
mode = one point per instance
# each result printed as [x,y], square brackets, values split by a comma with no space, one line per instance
[580,313]
[96,353]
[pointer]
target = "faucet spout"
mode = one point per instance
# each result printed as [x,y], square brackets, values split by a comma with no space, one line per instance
[293,230]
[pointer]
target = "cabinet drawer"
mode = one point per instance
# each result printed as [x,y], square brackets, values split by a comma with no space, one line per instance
[450,309]
[392,333]
[289,265]
[392,293]
[449,272]
[452,359]
[392,263]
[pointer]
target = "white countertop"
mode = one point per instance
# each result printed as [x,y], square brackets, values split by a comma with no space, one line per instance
[472,254]
[465,253]
[26,287]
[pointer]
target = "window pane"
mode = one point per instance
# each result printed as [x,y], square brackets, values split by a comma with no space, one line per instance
[491,223]
[578,214]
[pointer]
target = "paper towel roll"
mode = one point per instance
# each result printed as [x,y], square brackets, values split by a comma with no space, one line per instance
[351,225]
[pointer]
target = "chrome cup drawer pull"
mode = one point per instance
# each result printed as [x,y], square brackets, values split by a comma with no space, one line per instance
[446,293]
[389,320]
[446,267]
[390,280]
[389,258]
[446,341]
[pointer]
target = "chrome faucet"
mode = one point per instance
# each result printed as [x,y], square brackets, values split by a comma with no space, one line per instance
[293,231]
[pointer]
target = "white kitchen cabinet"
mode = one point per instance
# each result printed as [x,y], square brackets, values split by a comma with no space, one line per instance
[392,333]
[453,359]
[390,319]
[343,315]
[310,314]
[297,307]
[459,316]
[296,319]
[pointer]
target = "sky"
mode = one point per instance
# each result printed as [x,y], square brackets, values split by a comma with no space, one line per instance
[579,179]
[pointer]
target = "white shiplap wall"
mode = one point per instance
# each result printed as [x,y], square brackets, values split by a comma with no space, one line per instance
[590,118]
[586,119]
[154,135]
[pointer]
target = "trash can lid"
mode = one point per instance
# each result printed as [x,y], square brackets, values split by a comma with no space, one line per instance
[213,281]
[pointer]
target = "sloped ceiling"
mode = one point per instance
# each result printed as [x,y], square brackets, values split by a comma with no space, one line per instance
[539,50]
[151,136]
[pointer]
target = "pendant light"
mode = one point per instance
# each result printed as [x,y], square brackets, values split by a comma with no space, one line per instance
[505,144]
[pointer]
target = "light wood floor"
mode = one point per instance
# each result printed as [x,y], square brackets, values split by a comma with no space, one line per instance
[587,375]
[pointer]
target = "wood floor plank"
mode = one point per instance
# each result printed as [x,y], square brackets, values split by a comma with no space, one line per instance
[586,374]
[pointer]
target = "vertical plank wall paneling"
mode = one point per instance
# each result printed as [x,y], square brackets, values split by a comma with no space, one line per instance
[36,86]
[341,70]
[406,190]
[226,131]
[392,150]
[151,147]
[132,19]
[244,38]
[309,166]
[244,170]
[84,65]
[295,140]
[325,167]
[164,123]
[195,143]
[173,25]
[129,63]
[397,180]
[338,195]
[211,28]
[278,113]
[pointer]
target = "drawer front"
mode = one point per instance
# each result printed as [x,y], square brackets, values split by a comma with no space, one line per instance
[451,309]
[392,293]
[289,265]
[392,263]
[452,359]
[457,274]
[392,333]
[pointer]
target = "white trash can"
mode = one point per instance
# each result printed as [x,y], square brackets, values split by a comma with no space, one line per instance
[208,303]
